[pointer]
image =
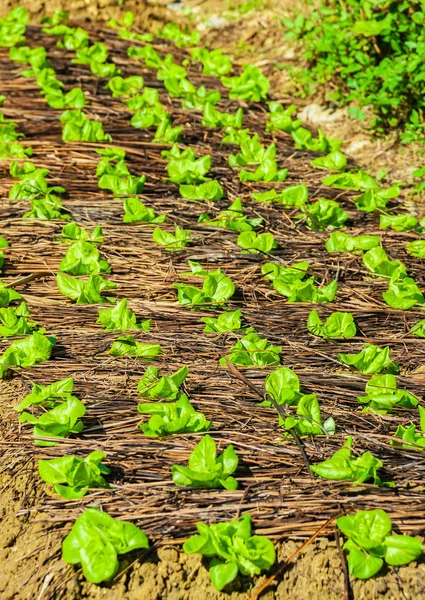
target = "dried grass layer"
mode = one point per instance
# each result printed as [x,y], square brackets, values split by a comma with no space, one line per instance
[275,487]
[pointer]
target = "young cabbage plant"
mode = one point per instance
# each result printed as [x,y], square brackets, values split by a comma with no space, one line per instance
[27,352]
[371,360]
[214,62]
[14,322]
[216,289]
[48,396]
[293,195]
[382,395]
[227,321]
[410,435]
[417,330]
[283,386]
[416,248]
[79,128]
[251,350]
[172,242]
[182,38]
[210,190]
[370,543]
[343,467]
[376,260]
[125,86]
[128,346]
[166,387]
[253,243]
[83,258]
[136,212]
[403,292]
[267,170]
[375,199]
[323,214]
[304,140]
[84,292]
[252,85]
[308,420]
[280,118]
[232,218]
[232,549]
[96,540]
[73,232]
[8,295]
[59,422]
[72,476]
[172,417]
[121,317]
[358,181]
[215,118]
[337,325]
[339,241]
[334,161]
[207,470]
[398,222]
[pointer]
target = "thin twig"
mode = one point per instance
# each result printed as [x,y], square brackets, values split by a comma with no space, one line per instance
[347,587]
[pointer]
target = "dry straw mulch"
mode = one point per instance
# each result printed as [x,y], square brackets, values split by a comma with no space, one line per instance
[275,486]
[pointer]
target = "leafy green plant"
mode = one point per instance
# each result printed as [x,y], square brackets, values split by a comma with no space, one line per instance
[216,289]
[153,386]
[308,420]
[13,27]
[84,292]
[267,170]
[251,85]
[418,329]
[136,212]
[206,469]
[214,62]
[148,99]
[182,39]
[231,548]
[183,167]
[149,116]
[409,434]
[289,282]
[339,241]
[370,543]
[371,360]
[83,258]
[324,213]
[375,199]
[96,540]
[13,321]
[59,422]
[128,346]
[79,128]
[351,180]
[343,467]
[334,161]
[251,350]
[48,396]
[232,218]
[416,248]
[280,118]
[227,321]
[253,243]
[27,352]
[376,260]
[125,86]
[210,190]
[215,118]
[382,395]
[293,195]
[171,241]
[283,386]
[121,317]
[304,140]
[8,295]
[172,417]
[402,293]
[398,222]
[251,153]
[166,133]
[337,325]
[73,476]
[72,231]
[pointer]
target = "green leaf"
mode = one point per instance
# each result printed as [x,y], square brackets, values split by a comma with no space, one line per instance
[339,241]
[88,292]
[137,212]
[216,289]
[372,359]
[120,317]
[401,549]
[173,417]
[308,420]
[222,573]
[416,248]
[338,324]
[334,161]
[230,321]
[377,261]
[398,222]
[323,214]
[383,395]
[367,528]
[83,258]
[128,346]
[256,242]
[211,190]
[171,242]
[27,352]
[418,329]
[403,293]
[251,350]
[283,386]
[47,395]
[362,564]
[251,85]
[167,386]
[59,422]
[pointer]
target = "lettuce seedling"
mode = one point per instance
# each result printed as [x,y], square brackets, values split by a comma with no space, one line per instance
[151,57]
[185,168]
[13,321]
[334,161]
[283,386]
[402,293]
[251,153]
[149,116]
[288,282]
[78,128]
[372,359]
[8,295]
[128,346]
[198,99]
[216,289]
[251,85]
[171,242]
[304,140]
[324,213]
[273,271]
[149,98]
[308,420]
[253,243]
[84,292]
[27,352]
[182,39]
[376,260]
[125,86]
[59,422]
[121,317]
[375,199]
[137,212]
[231,548]
[293,195]
[268,169]
[166,133]
[409,434]
[280,118]
[251,350]
[13,26]
[206,470]
[214,62]
[210,190]
[418,329]
[215,118]
[234,136]
[342,467]
[72,231]
[73,476]
[172,417]
[337,325]
[153,386]
[96,540]
[48,396]
[382,395]
[398,222]
[359,180]
[232,218]
[83,258]
[339,241]
[122,185]
[370,543]
[170,70]
[416,248]
[227,321]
